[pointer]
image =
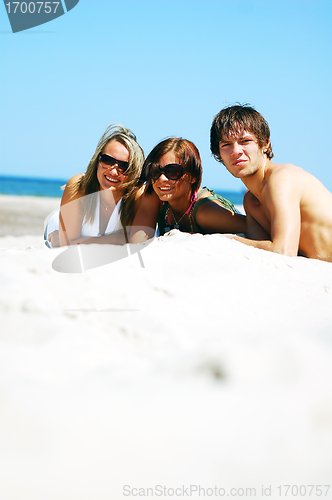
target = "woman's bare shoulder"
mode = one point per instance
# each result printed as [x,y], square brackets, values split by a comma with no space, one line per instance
[140,192]
[68,194]
[149,198]
[73,180]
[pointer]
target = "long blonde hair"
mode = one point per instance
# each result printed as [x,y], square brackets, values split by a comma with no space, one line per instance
[89,184]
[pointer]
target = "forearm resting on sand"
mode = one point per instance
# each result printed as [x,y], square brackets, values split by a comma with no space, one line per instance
[132,235]
[118,238]
[265,245]
[141,234]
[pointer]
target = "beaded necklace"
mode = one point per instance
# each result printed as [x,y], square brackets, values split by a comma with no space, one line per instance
[188,211]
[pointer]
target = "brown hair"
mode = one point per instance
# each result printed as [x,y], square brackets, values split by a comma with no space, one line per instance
[232,119]
[187,154]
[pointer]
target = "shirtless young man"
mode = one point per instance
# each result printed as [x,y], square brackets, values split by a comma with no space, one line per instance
[288,210]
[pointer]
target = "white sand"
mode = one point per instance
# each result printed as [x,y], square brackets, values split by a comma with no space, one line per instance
[211,366]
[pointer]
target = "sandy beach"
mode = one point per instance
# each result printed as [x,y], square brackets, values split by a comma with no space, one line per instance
[210,367]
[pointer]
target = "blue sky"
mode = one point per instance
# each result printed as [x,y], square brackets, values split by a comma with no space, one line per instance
[163,68]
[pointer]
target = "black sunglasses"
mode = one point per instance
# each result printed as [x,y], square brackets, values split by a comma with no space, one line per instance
[122,166]
[173,171]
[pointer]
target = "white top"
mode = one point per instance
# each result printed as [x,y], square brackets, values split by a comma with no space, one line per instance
[89,229]
[114,224]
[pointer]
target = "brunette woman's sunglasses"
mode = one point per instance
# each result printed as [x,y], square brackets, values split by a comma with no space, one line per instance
[108,160]
[173,171]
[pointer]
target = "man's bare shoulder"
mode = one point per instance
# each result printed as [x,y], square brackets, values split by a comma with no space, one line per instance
[291,183]
[281,175]
[286,185]
[285,170]
[287,173]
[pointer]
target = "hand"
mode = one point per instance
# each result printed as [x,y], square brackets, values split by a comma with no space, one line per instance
[54,239]
[230,236]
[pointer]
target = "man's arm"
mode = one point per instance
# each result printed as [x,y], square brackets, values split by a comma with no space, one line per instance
[282,203]
[255,230]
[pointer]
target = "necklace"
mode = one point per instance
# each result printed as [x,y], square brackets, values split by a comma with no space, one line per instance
[177,223]
[106,206]
[188,211]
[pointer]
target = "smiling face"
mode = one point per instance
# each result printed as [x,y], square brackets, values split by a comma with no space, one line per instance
[241,154]
[108,176]
[169,190]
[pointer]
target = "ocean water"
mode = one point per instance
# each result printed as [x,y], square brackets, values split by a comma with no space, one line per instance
[31,186]
[236,197]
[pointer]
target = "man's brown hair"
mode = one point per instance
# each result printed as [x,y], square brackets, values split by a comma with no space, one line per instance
[238,118]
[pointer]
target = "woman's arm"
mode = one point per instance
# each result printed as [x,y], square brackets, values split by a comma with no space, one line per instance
[118,238]
[214,218]
[71,218]
[145,220]
[70,214]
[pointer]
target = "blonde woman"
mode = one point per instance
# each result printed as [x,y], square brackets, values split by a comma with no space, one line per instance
[100,205]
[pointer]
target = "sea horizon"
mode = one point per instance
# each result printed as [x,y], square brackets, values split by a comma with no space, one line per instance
[51,188]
